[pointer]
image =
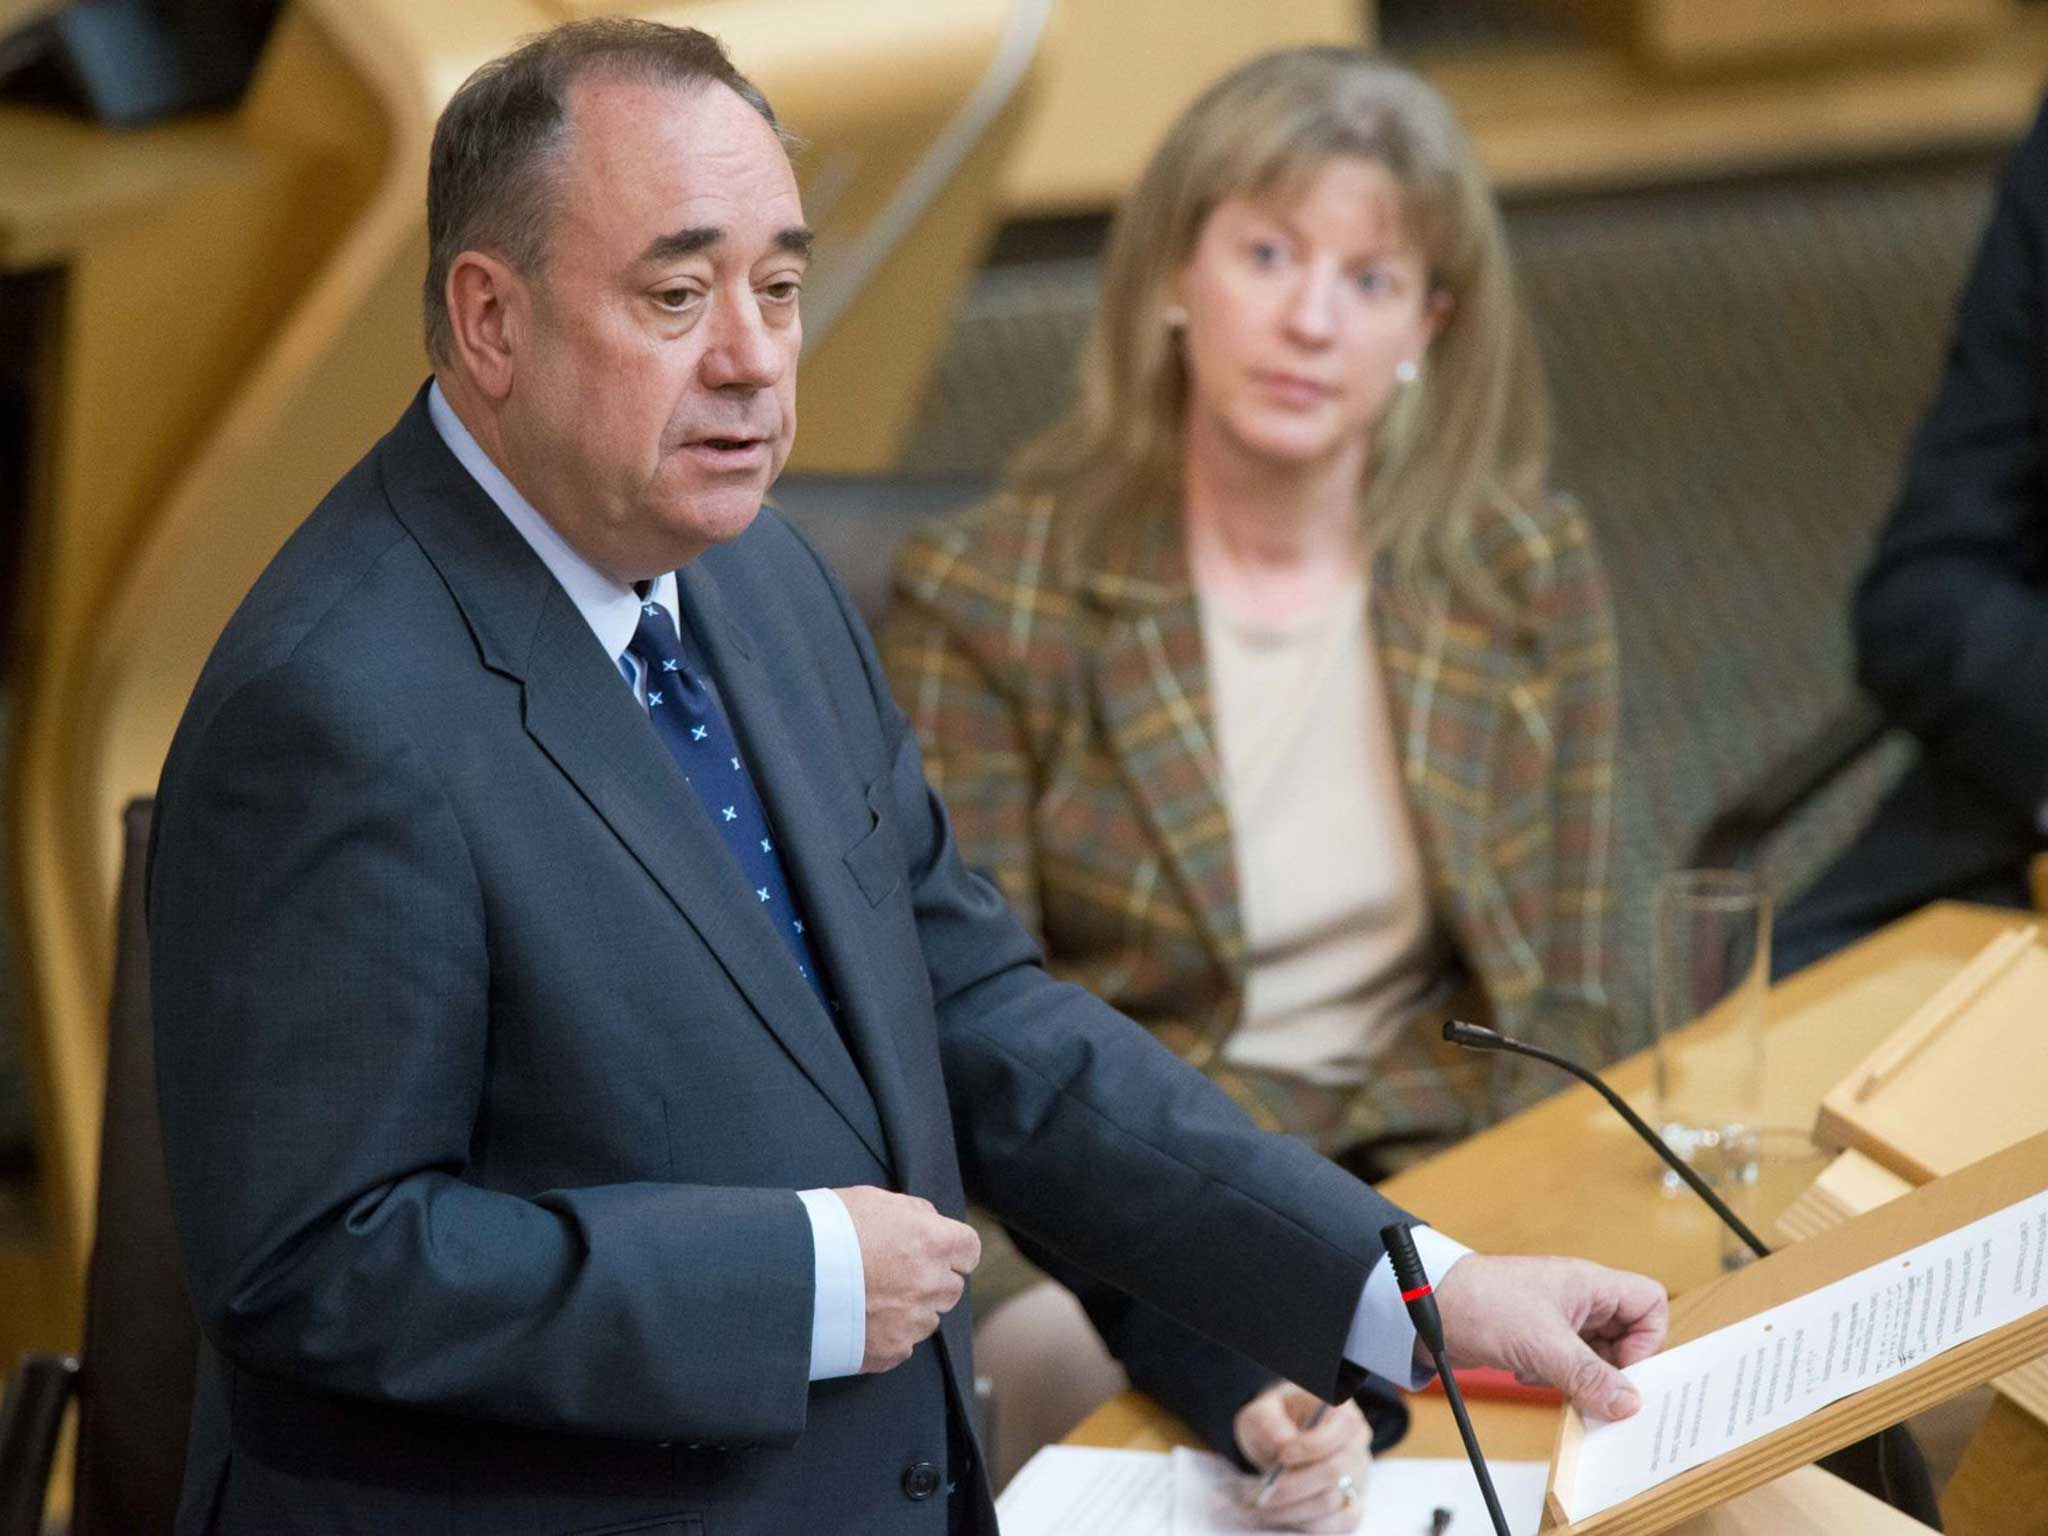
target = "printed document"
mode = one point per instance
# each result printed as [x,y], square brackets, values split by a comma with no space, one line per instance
[1743,1382]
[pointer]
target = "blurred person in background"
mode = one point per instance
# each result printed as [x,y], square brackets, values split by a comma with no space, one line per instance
[1275,690]
[1951,617]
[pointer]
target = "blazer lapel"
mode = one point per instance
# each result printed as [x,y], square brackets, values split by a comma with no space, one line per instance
[1448,688]
[811,813]
[578,711]
[1151,691]
[1443,704]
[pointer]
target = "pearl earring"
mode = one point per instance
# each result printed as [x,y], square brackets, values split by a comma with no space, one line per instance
[1407,370]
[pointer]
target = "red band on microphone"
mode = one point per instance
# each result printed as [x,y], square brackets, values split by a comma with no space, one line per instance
[1418,1293]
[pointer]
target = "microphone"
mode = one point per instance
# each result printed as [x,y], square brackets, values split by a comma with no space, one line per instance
[1420,1297]
[1477,1037]
[1888,1465]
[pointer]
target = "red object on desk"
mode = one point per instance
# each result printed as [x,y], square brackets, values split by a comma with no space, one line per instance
[1498,1385]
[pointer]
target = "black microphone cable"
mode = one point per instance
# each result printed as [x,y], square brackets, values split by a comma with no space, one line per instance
[1477,1037]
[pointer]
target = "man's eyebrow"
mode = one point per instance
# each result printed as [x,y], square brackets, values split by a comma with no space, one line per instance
[797,240]
[682,242]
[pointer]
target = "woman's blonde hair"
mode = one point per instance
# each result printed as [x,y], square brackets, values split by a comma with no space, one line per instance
[1469,435]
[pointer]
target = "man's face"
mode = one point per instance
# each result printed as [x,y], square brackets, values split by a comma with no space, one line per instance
[653,388]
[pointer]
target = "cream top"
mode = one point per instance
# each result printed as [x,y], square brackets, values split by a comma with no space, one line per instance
[1341,942]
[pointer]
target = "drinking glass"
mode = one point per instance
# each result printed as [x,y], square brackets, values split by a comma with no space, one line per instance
[1711,964]
[1784,1164]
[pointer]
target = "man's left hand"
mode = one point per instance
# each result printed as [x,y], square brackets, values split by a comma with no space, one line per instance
[1318,1465]
[1556,1322]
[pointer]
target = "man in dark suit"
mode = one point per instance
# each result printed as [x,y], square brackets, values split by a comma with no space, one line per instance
[577,1035]
[1952,615]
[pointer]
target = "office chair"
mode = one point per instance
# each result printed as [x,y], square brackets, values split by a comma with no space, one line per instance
[133,1378]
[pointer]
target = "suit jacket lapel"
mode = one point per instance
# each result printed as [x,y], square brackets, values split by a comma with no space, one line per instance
[586,721]
[811,812]
[817,815]
[578,711]
[1152,694]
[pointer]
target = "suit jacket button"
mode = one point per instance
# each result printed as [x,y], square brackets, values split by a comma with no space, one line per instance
[920,1480]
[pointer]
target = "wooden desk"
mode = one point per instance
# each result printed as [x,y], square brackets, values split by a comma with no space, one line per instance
[1567,1176]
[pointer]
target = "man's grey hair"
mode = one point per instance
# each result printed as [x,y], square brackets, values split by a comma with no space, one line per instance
[493,180]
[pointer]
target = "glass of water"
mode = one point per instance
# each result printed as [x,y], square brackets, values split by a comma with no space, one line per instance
[1711,965]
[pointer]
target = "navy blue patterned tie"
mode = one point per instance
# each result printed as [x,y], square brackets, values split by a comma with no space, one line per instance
[692,726]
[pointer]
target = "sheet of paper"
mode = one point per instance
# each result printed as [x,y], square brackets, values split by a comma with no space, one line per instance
[1209,1495]
[1743,1382]
[1404,1492]
[1071,1490]
[1400,1496]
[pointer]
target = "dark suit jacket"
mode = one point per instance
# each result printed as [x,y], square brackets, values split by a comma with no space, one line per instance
[1951,616]
[486,1088]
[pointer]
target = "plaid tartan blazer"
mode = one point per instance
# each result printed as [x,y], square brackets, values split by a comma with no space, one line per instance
[1058,685]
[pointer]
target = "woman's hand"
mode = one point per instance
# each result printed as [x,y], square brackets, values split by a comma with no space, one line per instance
[1323,1470]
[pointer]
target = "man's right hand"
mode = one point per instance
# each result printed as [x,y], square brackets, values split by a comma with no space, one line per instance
[1561,1322]
[915,1263]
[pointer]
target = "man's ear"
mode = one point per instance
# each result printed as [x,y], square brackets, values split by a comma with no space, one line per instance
[488,305]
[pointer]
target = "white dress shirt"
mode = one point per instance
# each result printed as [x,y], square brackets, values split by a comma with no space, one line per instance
[1381,1340]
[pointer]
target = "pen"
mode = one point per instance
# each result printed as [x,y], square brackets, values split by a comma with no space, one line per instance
[1273,1472]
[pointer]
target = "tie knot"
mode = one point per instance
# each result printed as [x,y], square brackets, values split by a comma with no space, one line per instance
[654,641]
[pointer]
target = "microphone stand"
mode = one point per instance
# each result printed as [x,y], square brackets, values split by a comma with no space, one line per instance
[1888,1464]
[1420,1297]
[1477,1037]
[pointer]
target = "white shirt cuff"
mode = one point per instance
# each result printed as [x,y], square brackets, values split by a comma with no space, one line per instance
[1382,1338]
[839,1312]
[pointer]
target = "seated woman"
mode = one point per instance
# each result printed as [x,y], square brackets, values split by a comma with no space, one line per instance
[1275,692]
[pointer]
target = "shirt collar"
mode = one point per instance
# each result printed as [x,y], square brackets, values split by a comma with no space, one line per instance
[609,607]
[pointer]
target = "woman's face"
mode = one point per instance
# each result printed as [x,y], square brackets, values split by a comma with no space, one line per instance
[1299,314]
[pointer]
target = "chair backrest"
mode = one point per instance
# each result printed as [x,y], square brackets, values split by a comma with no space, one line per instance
[141,1336]
[858,521]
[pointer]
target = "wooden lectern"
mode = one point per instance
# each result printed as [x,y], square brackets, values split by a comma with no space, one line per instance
[1960,1077]
[1921,1216]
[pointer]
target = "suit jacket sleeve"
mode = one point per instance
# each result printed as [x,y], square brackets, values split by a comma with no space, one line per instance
[1951,624]
[316,923]
[1099,1145]
[1202,1382]
[976,758]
